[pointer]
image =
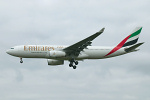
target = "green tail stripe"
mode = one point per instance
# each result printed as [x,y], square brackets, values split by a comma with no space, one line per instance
[135,33]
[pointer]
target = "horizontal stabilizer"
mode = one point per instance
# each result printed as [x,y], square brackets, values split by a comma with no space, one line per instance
[132,48]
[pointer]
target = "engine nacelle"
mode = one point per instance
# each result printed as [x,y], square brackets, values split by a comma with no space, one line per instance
[57,54]
[55,62]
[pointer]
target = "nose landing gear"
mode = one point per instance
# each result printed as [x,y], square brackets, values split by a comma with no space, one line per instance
[21,61]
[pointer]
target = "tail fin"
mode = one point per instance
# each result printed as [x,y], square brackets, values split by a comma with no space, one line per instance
[132,38]
[128,41]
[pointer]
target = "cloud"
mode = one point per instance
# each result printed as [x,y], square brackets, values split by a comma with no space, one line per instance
[66,22]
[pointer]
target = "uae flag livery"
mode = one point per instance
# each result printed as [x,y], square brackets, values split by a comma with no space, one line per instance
[133,38]
[129,40]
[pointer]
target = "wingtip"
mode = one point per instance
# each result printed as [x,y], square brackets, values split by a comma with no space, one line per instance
[102,30]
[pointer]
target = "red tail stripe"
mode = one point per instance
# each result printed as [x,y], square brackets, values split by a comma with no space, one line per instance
[118,46]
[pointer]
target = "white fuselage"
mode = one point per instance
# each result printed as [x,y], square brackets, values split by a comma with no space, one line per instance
[81,50]
[56,52]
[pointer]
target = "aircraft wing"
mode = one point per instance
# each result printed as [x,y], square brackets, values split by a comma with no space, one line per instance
[76,48]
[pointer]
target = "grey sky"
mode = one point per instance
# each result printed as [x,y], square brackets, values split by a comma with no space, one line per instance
[65,22]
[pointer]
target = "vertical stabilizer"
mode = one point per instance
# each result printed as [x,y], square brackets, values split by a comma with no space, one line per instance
[133,38]
[128,41]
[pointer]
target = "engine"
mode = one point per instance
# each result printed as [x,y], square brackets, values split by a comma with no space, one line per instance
[55,62]
[57,54]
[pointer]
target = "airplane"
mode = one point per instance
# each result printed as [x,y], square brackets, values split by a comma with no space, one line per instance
[57,54]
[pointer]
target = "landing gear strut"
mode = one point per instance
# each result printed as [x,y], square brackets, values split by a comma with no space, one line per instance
[21,61]
[73,63]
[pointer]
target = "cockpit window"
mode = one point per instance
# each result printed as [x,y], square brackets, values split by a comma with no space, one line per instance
[11,48]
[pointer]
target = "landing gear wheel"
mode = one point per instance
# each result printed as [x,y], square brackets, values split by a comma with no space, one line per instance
[76,62]
[74,67]
[70,65]
[21,61]
[73,63]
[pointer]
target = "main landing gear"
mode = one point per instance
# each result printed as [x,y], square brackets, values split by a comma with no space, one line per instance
[73,63]
[21,61]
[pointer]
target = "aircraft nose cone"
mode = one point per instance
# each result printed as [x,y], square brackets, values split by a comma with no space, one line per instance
[12,52]
[8,51]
